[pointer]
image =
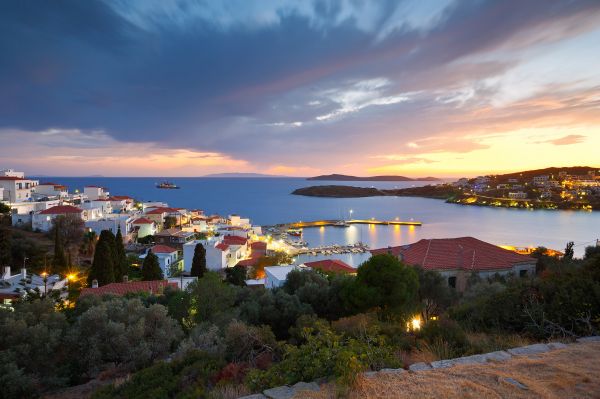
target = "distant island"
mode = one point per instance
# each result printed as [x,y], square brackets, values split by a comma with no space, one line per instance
[338,177]
[576,188]
[235,174]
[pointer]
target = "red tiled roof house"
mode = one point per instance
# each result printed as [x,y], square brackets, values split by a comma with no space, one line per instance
[457,258]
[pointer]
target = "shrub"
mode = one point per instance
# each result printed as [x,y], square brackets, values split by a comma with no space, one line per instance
[439,333]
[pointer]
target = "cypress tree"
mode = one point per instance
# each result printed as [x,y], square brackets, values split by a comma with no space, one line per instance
[199,261]
[151,269]
[60,259]
[5,247]
[103,266]
[120,261]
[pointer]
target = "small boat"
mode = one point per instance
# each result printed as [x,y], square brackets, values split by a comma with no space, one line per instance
[295,232]
[341,223]
[167,185]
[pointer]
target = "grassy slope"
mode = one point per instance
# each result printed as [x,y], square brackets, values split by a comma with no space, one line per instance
[571,372]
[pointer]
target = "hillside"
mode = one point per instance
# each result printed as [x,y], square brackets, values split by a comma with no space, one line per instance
[529,174]
[441,191]
[566,373]
[339,177]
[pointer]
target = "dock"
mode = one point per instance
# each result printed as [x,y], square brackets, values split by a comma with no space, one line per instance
[325,223]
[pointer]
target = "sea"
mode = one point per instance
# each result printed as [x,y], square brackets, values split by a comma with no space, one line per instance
[268,201]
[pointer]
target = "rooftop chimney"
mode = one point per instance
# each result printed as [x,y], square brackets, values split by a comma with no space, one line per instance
[125,278]
[6,273]
[94,283]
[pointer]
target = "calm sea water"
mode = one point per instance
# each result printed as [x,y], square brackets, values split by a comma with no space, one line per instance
[268,201]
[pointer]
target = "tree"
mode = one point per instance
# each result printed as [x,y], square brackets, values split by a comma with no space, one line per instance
[236,275]
[103,265]
[386,283]
[70,228]
[569,252]
[434,294]
[199,261]
[278,258]
[120,261]
[170,221]
[151,269]
[212,300]
[5,247]
[60,260]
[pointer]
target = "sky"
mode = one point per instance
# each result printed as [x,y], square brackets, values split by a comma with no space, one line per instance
[443,88]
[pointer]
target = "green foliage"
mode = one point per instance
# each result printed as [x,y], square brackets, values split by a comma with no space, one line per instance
[5,246]
[435,296]
[236,275]
[569,252]
[277,308]
[325,354]
[121,266]
[211,300]
[4,209]
[186,378]
[446,334]
[103,267]
[122,331]
[146,240]
[247,343]
[60,259]
[151,269]
[199,261]
[170,222]
[385,283]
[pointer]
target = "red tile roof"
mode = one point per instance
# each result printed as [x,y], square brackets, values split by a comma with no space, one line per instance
[142,221]
[248,262]
[61,210]
[158,211]
[331,265]
[465,253]
[259,246]
[234,240]
[154,287]
[222,246]
[12,178]
[162,249]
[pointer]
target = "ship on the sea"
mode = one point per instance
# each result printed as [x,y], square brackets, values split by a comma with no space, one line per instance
[167,185]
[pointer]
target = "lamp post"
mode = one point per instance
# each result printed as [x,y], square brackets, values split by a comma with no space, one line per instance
[45,276]
[351,212]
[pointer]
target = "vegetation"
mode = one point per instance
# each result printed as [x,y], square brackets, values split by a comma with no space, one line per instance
[199,261]
[224,339]
[151,269]
[103,265]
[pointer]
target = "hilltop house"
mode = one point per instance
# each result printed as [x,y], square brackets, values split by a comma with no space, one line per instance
[276,276]
[50,190]
[95,192]
[174,237]
[17,189]
[168,258]
[218,254]
[43,220]
[20,285]
[331,266]
[144,227]
[457,258]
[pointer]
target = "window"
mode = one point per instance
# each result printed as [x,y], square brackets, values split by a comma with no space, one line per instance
[452,281]
[523,273]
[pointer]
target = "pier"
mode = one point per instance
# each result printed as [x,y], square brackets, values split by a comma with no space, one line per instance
[325,223]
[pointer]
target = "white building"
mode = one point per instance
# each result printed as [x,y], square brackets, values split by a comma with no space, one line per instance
[112,223]
[50,190]
[95,192]
[43,220]
[517,195]
[168,258]
[276,276]
[11,173]
[17,189]
[17,286]
[218,254]
[104,205]
[145,227]
[540,180]
[121,203]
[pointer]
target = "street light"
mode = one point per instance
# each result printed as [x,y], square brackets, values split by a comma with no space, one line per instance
[45,276]
[351,211]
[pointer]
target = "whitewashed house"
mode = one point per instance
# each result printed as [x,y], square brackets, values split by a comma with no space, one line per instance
[168,258]
[276,276]
[50,190]
[43,220]
[112,223]
[217,254]
[104,205]
[144,227]
[17,189]
[17,286]
[95,192]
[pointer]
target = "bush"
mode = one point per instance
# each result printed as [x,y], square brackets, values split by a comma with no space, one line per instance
[445,332]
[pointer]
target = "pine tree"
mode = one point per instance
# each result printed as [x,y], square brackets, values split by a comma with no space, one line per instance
[199,261]
[5,247]
[151,269]
[120,261]
[60,259]
[103,266]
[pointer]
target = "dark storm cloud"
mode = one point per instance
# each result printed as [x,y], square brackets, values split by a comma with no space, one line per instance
[84,65]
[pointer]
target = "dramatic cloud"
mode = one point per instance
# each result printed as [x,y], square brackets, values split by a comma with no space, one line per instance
[294,87]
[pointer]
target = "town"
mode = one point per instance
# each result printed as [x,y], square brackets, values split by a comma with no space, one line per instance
[83,249]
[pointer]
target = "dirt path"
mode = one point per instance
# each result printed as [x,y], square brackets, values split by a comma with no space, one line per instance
[573,372]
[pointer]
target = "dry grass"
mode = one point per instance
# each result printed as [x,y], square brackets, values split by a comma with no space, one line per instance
[568,373]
